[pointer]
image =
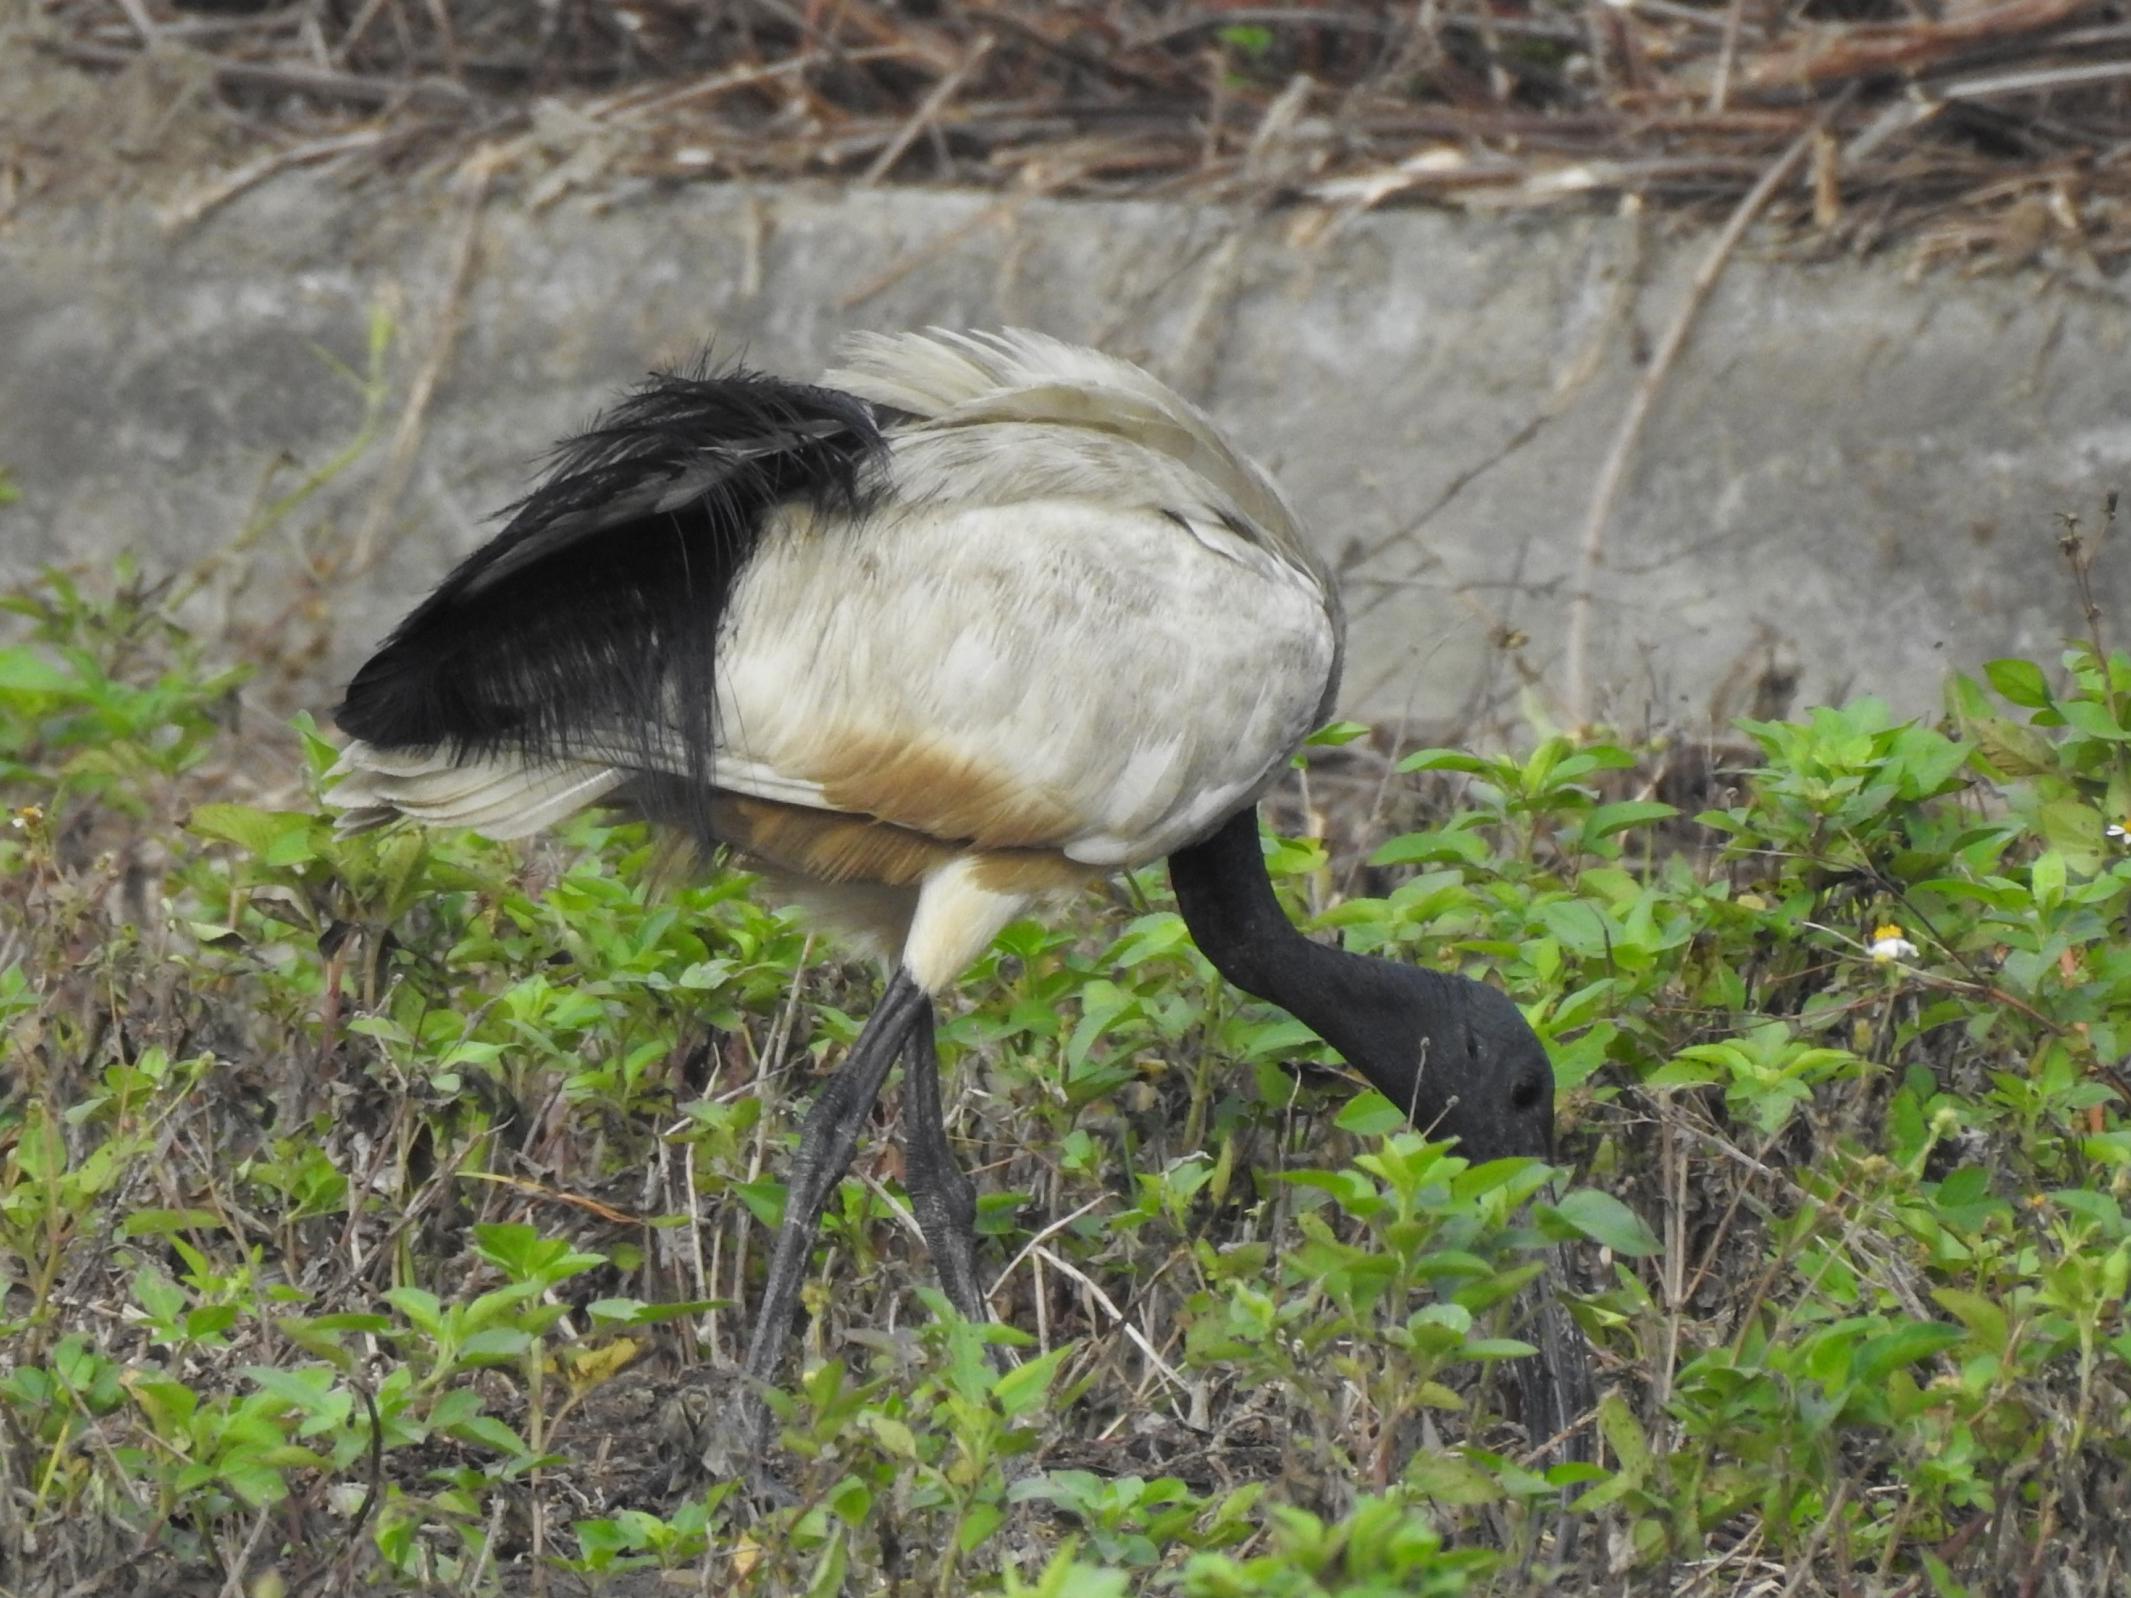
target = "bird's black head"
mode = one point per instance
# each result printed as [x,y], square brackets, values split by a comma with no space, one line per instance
[1462,1062]
[1454,1054]
[1507,1104]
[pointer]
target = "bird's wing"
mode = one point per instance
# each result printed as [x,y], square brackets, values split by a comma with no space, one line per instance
[1053,674]
[948,382]
[586,630]
[1051,610]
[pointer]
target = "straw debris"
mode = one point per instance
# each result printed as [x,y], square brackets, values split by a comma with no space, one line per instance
[1988,135]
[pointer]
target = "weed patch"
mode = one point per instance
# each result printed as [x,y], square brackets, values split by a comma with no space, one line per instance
[381,1213]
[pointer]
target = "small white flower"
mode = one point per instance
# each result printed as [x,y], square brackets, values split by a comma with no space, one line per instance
[2120,831]
[1889,944]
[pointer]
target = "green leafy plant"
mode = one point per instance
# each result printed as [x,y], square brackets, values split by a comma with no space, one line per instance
[363,1193]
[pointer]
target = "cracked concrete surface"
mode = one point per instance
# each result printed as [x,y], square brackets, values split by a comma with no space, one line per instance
[1848,472]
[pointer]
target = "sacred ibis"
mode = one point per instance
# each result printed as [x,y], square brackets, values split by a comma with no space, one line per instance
[970,623]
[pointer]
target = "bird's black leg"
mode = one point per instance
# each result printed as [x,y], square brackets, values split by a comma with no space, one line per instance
[942,1194]
[826,1145]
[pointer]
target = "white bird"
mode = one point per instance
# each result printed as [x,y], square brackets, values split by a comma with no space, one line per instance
[975,621]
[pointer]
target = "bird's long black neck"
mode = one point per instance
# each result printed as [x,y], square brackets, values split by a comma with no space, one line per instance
[1375,1013]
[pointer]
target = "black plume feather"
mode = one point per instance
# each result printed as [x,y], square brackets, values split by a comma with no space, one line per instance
[588,626]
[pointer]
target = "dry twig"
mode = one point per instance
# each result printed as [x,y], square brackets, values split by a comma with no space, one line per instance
[1591,546]
[1679,101]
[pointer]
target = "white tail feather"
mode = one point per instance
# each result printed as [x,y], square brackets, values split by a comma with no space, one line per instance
[499,797]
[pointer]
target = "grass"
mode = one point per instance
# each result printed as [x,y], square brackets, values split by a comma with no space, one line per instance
[380,1214]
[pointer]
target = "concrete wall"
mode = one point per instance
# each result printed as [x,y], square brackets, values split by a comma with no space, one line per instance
[1849,473]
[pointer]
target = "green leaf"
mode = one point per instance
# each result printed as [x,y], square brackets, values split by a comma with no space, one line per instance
[2020,681]
[210,1320]
[2075,829]
[764,1200]
[491,1431]
[1496,1348]
[156,1293]
[1605,1219]
[1985,1320]
[1445,760]
[1335,733]
[1410,848]
[979,1523]
[22,671]
[1606,820]
[347,1321]
[893,1436]
[2047,876]
[1996,892]
[2094,719]
[252,830]
[165,1223]
[1449,1479]
[2010,747]
[1581,927]
[422,1308]
[170,1404]
[1026,1386]
[1879,1357]
[851,1501]
[1625,1435]
[1370,1115]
